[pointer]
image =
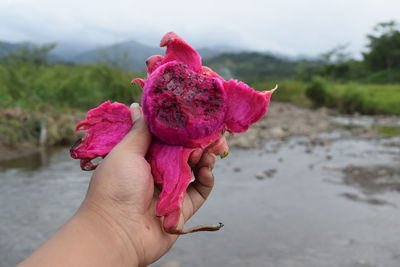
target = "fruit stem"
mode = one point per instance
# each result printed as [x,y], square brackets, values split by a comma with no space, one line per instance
[199,228]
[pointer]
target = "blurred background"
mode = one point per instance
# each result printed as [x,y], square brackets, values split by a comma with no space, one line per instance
[317,180]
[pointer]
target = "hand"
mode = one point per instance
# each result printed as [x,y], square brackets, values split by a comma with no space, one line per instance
[122,192]
[116,223]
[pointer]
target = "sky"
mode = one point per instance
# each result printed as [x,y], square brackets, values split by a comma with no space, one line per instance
[290,27]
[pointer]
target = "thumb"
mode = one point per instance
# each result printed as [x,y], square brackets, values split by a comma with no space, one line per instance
[138,139]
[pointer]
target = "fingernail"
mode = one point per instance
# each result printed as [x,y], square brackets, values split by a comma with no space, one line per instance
[136,113]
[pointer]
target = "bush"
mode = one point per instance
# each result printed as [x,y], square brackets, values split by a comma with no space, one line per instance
[383,77]
[317,92]
[354,99]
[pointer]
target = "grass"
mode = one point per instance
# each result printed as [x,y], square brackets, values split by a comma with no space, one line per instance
[389,130]
[64,87]
[347,97]
[367,98]
[288,91]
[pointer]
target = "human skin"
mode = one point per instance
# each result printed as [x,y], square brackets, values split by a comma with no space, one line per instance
[116,223]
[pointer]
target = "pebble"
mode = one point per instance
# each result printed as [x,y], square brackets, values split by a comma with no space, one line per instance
[277,132]
[308,150]
[270,172]
[382,172]
[332,168]
[171,264]
[260,176]
[237,169]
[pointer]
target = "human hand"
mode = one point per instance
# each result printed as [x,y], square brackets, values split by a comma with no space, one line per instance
[122,194]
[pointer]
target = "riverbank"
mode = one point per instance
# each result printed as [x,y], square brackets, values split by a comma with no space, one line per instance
[24,132]
[285,120]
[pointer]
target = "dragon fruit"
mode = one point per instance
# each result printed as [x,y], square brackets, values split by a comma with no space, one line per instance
[187,106]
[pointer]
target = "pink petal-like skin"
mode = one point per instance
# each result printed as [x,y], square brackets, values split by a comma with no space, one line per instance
[169,166]
[153,63]
[184,88]
[139,81]
[209,72]
[179,50]
[105,127]
[245,105]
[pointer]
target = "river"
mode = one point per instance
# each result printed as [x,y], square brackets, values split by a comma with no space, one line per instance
[282,205]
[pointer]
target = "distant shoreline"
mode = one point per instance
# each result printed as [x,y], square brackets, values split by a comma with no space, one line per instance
[282,121]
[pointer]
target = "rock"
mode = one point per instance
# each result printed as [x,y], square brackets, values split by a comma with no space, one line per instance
[237,169]
[382,172]
[277,132]
[270,172]
[260,176]
[332,168]
[308,150]
[171,264]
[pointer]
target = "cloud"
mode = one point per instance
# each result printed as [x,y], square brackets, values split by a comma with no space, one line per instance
[294,27]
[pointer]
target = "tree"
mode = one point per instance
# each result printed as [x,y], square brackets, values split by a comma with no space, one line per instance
[384,47]
[37,55]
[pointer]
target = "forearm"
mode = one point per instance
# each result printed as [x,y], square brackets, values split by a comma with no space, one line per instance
[87,239]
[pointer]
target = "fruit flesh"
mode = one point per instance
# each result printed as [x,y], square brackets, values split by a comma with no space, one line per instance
[181,105]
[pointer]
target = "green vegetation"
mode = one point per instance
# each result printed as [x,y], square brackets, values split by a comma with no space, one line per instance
[36,94]
[347,97]
[252,66]
[390,131]
[28,81]
[289,91]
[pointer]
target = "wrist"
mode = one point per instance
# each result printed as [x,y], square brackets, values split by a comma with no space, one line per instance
[111,233]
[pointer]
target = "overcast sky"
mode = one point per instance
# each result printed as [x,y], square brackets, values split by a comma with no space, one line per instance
[293,27]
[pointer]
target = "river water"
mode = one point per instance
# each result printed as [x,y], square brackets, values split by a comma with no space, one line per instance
[282,205]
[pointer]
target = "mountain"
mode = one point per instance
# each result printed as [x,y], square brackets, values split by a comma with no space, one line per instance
[132,55]
[6,47]
[128,55]
[252,66]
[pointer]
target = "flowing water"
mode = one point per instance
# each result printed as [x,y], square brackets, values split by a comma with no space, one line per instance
[282,205]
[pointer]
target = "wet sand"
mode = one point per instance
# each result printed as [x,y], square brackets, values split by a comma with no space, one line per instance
[286,203]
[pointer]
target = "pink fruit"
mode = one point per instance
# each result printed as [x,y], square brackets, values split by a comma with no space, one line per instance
[186,106]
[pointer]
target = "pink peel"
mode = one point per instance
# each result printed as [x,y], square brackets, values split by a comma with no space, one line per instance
[245,105]
[179,50]
[105,127]
[153,63]
[139,82]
